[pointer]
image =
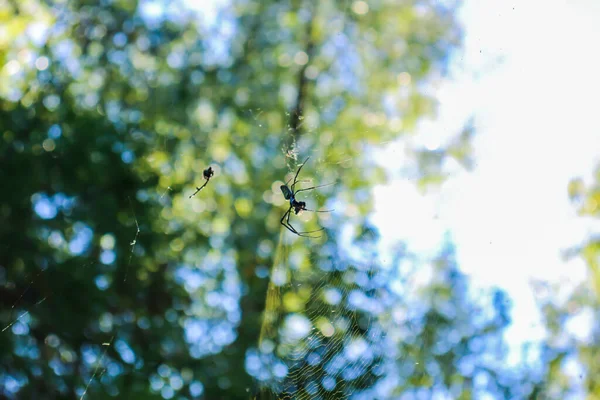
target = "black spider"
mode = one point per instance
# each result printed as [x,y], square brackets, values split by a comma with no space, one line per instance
[297,206]
[207,173]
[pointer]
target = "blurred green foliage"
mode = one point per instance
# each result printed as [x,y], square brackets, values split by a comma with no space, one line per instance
[571,356]
[113,283]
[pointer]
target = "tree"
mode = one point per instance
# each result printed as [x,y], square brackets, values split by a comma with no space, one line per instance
[571,352]
[115,282]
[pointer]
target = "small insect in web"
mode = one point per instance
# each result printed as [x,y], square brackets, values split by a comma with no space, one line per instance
[207,174]
[297,206]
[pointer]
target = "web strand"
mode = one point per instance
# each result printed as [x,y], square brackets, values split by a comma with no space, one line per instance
[132,244]
[107,345]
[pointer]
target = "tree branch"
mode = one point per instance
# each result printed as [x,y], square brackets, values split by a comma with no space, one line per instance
[297,112]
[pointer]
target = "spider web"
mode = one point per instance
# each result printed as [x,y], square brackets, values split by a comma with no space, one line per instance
[97,361]
[321,335]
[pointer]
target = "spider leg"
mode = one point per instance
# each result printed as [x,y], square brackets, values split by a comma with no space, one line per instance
[290,228]
[287,222]
[313,187]
[303,234]
[287,213]
[286,225]
[200,188]
[300,181]
[306,209]
[297,173]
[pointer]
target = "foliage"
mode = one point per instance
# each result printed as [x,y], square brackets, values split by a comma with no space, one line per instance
[571,355]
[113,281]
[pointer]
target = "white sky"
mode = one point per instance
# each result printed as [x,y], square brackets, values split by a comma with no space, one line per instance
[537,127]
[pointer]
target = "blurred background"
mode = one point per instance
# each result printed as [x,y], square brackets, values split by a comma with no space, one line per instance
[461,258]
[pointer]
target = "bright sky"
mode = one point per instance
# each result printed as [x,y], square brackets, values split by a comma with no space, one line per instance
[537,127]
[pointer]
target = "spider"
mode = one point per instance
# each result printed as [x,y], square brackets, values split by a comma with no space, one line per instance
[207,173]
[297,206]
